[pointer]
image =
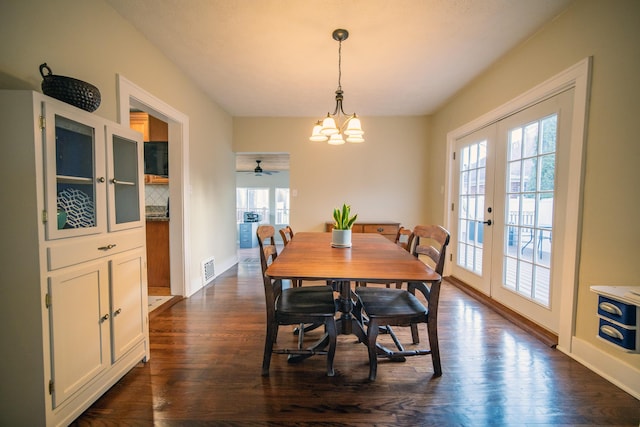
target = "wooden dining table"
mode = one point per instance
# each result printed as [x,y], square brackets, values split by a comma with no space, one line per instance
[371,258]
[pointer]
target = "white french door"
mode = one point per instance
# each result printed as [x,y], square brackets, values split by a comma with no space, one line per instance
[474,181]
[509,184]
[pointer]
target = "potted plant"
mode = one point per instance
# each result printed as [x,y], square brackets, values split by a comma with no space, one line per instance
[341,233]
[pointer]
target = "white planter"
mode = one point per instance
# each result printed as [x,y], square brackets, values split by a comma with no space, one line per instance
[341,238]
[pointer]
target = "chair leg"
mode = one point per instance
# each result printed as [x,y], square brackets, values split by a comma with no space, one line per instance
[372,336]
[432,329]
[331,330]
[268,348]
[300,336]
[414,333]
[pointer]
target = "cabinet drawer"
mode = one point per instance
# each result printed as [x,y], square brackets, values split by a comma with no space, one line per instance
[618,335]
[78,250]
[386,229]
[617,311]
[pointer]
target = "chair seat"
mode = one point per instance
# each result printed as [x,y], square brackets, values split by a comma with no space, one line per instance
[307,300]
[384,302]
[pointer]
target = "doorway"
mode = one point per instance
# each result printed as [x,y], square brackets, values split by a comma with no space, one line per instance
[132,97]
[262,197]
[508,183]
[565,237]
[155,133]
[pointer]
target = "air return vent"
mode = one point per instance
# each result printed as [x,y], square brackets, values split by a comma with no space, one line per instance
[208,271]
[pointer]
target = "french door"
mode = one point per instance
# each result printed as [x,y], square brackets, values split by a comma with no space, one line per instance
[509,185]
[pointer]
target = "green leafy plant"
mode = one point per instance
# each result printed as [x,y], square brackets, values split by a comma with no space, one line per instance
[342,218]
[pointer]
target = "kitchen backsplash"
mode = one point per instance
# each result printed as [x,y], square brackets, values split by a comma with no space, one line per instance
[156,195]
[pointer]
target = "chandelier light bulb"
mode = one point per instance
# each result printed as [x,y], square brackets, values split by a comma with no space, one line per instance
[355,139]
[354,128]
[316,135]
[336,139]
[329,126]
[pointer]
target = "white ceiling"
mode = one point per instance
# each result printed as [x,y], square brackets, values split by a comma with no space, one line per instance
[271,58]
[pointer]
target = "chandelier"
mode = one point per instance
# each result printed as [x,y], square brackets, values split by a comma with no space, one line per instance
[350,128]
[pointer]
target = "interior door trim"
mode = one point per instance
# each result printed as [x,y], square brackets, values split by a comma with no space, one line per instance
[578,77]
[130,94]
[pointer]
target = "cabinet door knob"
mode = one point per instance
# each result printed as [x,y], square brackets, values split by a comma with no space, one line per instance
[118,311]
[104,318]
[101,179]
[380,229]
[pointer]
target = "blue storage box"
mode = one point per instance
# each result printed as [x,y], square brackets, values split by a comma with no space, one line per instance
[617,310]
[617,335]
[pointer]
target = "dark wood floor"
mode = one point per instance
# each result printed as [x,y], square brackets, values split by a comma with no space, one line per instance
[207,351]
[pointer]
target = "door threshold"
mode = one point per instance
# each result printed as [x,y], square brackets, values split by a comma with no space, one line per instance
[165,305]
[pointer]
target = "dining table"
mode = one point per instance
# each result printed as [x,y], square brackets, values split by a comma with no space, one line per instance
[309,256]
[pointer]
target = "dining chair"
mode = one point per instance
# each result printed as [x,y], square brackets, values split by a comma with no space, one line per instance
[287,234]
[399,307]
[404,239]
[294,306]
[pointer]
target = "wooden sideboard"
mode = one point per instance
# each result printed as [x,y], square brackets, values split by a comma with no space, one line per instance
[387,229]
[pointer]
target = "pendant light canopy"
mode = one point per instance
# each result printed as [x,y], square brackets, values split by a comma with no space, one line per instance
[339,127]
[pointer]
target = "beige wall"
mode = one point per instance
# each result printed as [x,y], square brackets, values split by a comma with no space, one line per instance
[88,40]
[382,178]
[608,31]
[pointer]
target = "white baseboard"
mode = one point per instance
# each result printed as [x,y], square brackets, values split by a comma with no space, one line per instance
[221,267]
[623,375]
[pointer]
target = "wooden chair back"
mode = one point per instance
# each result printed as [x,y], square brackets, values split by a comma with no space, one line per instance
[404,238]
[431,241]
[268,254]
[287,234]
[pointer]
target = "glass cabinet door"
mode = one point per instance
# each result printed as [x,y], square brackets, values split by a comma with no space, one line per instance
[74,174]
[124,172]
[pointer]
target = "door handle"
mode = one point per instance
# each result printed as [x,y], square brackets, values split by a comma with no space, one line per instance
[488,222]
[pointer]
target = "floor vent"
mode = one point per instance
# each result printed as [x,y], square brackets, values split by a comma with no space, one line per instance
[208,271]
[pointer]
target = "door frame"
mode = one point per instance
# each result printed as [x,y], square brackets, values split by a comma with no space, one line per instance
[130,95]
[578,77]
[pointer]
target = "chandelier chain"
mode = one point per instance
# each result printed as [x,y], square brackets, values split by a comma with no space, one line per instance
[340,65]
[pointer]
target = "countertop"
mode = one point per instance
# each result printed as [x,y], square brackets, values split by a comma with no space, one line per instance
[157,218]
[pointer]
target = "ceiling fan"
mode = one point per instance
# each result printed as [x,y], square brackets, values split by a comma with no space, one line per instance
[258,171]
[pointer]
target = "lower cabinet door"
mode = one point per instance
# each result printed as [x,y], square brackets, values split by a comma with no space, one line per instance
[128,301]
[79,327]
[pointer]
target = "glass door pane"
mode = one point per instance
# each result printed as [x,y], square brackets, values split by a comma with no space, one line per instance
[125,180]
[529,202]
[72,177]
[124,169]
[471,206]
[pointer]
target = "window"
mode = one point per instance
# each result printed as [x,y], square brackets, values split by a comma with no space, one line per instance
[253,200]
[282,206]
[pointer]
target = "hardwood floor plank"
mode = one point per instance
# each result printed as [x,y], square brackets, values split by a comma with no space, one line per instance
[206,355]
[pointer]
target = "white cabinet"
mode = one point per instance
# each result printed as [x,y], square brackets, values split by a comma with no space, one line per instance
[78,311]
[73,299]
[126,296]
